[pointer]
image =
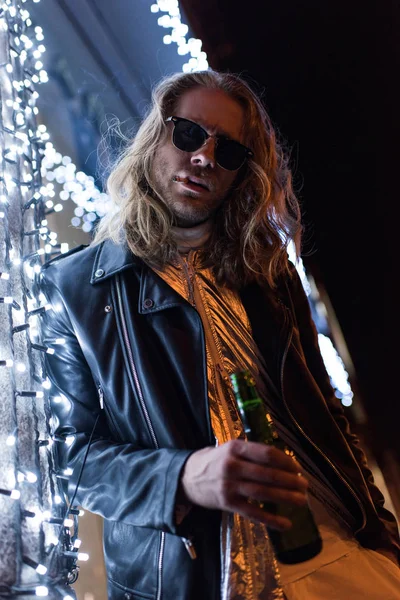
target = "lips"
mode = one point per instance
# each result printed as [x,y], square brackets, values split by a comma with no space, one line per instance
[200,182]
[192,181]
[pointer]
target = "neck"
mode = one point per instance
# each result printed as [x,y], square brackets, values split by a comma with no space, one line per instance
[192,238]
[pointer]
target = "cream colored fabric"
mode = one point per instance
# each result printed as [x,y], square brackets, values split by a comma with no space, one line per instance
[343,570]
[360,574]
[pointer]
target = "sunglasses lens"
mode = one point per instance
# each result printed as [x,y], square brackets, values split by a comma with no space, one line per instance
[188,136]
[230,154]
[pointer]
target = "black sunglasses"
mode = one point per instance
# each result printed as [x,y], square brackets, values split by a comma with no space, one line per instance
[189,137]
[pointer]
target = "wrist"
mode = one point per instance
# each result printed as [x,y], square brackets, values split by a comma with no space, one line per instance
[183,504]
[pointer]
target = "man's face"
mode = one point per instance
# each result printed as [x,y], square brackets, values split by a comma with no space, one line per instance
[193,204]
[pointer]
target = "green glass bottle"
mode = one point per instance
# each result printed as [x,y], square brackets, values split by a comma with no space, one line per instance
[302,541]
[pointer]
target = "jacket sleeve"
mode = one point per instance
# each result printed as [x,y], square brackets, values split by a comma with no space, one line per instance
[388,537]
[116,480]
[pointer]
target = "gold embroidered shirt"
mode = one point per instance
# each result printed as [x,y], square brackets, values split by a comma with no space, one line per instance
[249,570]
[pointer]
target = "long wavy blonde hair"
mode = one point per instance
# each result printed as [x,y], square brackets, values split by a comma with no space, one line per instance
[252,229]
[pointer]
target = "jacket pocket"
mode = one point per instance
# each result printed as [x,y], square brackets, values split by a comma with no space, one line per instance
[131,557]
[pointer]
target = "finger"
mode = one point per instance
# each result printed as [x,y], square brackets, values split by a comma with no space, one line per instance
[274,477]
[264,493]
[265,455]
[254,512]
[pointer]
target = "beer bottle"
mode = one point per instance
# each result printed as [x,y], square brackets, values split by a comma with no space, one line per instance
[302,541]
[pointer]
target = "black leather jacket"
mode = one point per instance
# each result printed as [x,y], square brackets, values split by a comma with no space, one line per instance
[134,358]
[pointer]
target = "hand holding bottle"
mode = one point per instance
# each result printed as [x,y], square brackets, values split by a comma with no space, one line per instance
[238,475]
[302,541]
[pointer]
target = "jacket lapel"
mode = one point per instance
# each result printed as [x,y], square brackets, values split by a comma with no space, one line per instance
[271,325]
[155,294]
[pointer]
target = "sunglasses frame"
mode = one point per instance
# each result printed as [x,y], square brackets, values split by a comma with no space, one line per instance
[175,120]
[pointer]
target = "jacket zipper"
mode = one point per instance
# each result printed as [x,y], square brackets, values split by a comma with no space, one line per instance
[132,365]
[148,421]
[101,397]
[103,406]
[190,547]
[312,443]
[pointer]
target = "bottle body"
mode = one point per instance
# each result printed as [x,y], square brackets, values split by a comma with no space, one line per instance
[302,541]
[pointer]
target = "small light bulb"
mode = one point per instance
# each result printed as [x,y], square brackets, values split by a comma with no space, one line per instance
[53,540]
[42,590]
[83,556]
[68,522]
[41,569]
[10,441]
[31,477]
[347,401]
[15,494]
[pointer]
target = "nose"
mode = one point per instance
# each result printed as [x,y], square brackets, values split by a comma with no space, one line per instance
[205,155]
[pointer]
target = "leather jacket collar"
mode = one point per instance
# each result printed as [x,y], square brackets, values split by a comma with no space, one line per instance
[154,295]
[111,259]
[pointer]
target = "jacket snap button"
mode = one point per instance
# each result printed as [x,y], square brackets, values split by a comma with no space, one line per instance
[148,303]
[108,308]
[99,273]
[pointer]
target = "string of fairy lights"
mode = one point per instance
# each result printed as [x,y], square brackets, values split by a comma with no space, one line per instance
[40,547]
[40,544]
[36,180]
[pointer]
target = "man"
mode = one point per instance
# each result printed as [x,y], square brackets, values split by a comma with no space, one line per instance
[186,282]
